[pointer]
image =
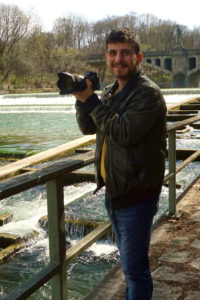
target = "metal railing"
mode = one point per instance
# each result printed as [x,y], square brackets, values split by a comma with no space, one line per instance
[171,176]
[54,177]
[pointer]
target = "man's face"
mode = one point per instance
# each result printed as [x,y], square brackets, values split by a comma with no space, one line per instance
[122,60]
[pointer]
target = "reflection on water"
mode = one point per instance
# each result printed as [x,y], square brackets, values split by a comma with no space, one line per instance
[36,131]
[48,122]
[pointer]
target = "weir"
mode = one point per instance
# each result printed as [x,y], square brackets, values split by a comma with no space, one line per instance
[23,175]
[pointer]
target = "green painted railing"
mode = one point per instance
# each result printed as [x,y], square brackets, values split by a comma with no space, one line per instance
[54,177]
[171,176]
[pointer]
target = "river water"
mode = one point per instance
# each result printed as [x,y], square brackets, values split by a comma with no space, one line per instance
[33,123]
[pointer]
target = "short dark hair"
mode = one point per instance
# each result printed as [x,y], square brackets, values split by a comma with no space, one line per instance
[123,35]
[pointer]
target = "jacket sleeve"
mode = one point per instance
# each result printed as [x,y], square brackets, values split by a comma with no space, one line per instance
[140,115]
[84,120]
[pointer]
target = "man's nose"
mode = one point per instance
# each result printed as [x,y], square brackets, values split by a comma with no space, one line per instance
[118,57]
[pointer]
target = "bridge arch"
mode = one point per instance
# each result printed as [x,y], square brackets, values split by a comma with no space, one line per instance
[193,79]
[179,80]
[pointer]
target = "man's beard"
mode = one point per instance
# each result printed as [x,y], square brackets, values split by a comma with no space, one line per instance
[122,76]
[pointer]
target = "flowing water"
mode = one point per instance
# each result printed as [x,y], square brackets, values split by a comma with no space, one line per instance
[33,123]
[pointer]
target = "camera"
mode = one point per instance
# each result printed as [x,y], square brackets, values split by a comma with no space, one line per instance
[69,83]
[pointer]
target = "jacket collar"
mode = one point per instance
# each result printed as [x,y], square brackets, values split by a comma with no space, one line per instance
[129,86]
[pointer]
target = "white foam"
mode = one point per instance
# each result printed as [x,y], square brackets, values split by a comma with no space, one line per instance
[99,248]
[71,193]
[104,248]
[28,207]
[36,100]
[23,227]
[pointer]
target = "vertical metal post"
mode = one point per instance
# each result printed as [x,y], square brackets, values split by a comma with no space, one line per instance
[172,170]
[57,243]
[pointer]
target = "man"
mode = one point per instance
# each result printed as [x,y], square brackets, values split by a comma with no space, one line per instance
[130,124]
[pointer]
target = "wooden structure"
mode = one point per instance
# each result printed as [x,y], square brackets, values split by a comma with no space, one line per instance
[54,176]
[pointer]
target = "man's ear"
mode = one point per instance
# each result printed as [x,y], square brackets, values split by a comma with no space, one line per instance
[139,57]
[106,56]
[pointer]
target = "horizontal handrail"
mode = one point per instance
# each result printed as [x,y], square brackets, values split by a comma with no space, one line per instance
[28,180]
[178,125]
[177,105]
[33,284]
[87,241]
[68,148]
[186,162]
[168,176]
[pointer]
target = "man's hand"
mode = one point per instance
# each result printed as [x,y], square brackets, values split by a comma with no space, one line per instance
[83,95]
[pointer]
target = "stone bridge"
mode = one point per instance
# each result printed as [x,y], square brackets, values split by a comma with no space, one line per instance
[183,65]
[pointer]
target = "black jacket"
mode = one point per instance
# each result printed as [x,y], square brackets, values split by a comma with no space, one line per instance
[133,122]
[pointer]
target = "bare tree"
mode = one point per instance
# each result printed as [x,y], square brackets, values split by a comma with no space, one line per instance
[14,25]
[156,34]
[71,31]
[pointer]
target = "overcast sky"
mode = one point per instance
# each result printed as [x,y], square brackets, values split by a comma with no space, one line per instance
[182,12]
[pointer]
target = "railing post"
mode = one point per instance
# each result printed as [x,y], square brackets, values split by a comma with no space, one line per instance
[57,242]
[172,169]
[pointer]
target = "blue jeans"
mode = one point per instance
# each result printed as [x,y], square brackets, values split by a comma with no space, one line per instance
[132,228]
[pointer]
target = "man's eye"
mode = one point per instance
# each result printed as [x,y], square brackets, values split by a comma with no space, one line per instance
[112,53]
[125,52]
